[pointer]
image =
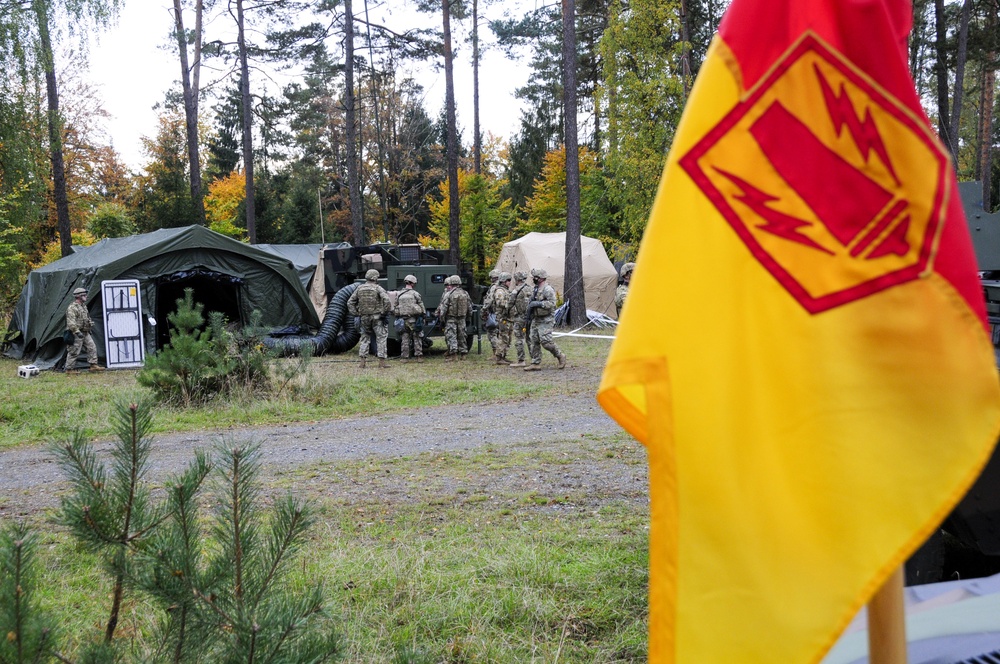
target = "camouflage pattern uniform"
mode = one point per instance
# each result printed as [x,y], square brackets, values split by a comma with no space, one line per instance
[453,309]
[543,302]
[622,291]
[517,307]
[78,322]
[489,307]
[410,307]
[370,303]
[501,298]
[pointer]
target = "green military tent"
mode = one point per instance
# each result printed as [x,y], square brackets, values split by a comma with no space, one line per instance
[226,275]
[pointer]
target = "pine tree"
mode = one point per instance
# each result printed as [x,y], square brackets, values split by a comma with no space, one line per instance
[31,634]
[109,510]
[225,596]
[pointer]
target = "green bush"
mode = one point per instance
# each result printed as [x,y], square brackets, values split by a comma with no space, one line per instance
[202,361]
[220,584]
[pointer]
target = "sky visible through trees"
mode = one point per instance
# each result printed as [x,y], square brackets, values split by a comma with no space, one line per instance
[133,69]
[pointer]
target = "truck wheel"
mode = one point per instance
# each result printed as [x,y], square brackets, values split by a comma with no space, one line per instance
[926,565]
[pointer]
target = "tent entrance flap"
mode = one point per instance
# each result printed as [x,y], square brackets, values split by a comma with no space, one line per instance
[214,290]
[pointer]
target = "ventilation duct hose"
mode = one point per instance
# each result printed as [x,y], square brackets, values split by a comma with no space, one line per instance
[336,334]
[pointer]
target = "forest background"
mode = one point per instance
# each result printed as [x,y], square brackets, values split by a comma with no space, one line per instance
[352,153]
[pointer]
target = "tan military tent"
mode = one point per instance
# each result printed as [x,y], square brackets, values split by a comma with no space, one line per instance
[548,251]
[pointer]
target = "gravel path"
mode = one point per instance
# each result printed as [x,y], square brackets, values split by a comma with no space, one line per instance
[32,481]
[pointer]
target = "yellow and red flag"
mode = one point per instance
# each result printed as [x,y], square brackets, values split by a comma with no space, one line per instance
[804,350]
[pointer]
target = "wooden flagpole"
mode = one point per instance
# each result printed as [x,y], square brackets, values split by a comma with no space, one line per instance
[887,622]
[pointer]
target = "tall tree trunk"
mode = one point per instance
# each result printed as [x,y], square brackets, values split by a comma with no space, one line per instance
[379,139]
[989,81]
[351,138]
[477,140]
[191,104]
[454,250]
[247,125]
[941,72]
[686,49]
[573,270]
[55,130]
[960,57]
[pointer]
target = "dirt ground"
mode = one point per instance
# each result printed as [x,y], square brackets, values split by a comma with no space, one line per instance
[570,424]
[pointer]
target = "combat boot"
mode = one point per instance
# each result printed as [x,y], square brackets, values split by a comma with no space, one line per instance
[462,356]
[502,360]
[519,363]
[533,367]
[382,364]
[96,367]
[364,361]
[420,359]
[449,358]
[562,360]
[71,372]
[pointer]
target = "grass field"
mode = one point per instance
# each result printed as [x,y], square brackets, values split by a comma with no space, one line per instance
[473,556]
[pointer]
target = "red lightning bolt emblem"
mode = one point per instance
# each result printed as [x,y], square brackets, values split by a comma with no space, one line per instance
[864,132]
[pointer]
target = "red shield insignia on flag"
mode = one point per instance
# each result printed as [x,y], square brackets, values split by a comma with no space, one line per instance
[837,189]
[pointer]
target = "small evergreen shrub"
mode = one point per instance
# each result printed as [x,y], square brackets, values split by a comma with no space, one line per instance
[219,583]
[201,362]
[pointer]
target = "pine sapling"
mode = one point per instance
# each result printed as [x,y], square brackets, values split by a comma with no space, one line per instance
[109,509]
[244,611]
[30,634]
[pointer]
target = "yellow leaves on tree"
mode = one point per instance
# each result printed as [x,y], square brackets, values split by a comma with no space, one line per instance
[222,205]
[485,220]
[545,211]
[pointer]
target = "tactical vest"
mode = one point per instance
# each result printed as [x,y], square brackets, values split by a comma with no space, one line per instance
[458,303]
[369,303]
[407,305]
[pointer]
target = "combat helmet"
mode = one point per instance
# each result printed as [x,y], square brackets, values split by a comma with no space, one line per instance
[79,291]
[521,275]
[626,270]
[539,273]
[409,279]
[453,280]
[494,274]
[371,275]
[503,278]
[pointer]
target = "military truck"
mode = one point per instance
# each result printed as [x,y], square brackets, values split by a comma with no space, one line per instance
[346,265]
[968,542]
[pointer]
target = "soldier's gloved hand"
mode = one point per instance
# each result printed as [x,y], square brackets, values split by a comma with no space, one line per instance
[534,305]
[78,334]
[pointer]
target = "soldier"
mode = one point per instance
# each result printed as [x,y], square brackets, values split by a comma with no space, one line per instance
[517,307]
[541,310]
[78,322]
[489,307]
[410,307]
[501,298]
[453,309]
[626,275]
[370,303]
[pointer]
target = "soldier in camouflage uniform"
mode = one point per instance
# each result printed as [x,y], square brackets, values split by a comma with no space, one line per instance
[626,275]
[78,322]
[370,304]
[517,307]
[542,308]
[489,307]
[410,307]
[454,307]
[501,299]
